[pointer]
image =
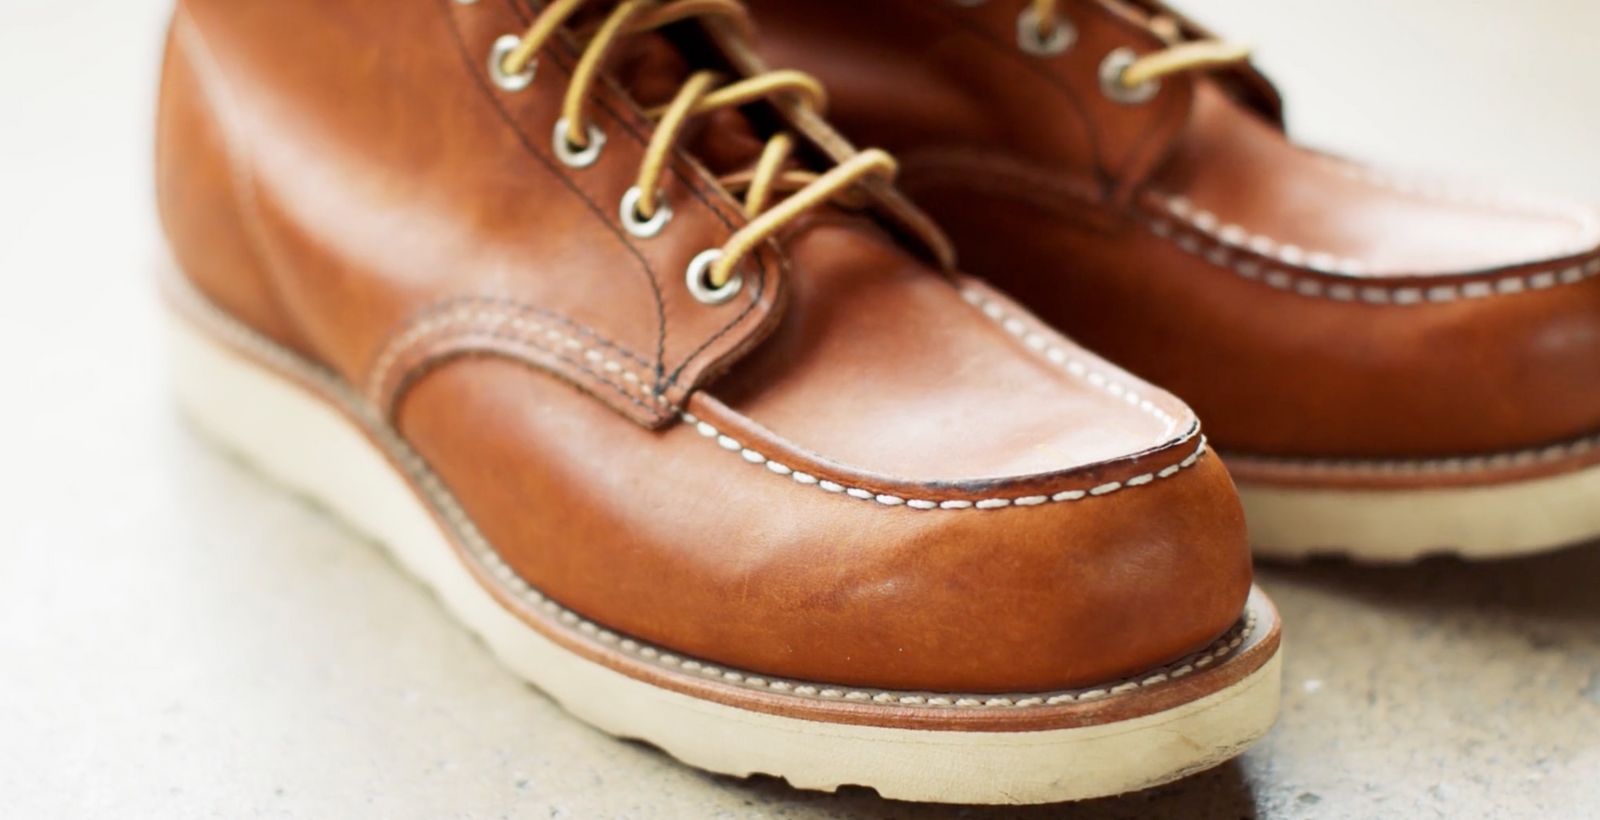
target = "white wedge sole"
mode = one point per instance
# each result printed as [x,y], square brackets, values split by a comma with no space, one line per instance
[1401,525]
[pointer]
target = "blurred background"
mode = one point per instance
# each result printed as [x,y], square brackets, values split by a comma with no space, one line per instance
[178,639]
[1504,91]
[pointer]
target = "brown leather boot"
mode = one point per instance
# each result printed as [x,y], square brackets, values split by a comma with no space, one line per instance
[1389,366]
[674,400]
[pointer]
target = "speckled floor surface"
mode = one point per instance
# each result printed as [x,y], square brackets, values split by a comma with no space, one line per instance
[179,639]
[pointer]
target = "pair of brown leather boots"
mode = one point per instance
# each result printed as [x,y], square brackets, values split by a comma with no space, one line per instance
[680,400]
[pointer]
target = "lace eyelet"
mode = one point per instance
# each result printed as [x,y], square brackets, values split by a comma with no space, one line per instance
[1032,39]
[635,223]
[572,156]
[497,65]
[1112,85]
[700,286]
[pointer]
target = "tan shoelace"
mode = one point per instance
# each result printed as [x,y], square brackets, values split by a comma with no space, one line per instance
[702,93]
[1178,57]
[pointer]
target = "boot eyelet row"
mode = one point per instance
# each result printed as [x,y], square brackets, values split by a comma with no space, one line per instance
[571,155]
[1031,39]
[635,223]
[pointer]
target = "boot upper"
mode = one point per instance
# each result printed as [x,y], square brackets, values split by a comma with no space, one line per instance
[1306,305]
[862,468]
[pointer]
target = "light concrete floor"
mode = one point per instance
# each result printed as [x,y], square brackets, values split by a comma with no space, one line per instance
[179,639]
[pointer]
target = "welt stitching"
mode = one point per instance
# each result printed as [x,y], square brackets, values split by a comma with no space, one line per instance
[480,551]
[485,554]
[1317,284]
[527,145]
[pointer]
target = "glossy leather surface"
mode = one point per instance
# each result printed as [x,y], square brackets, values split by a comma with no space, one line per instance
[1308,307]
[863,470]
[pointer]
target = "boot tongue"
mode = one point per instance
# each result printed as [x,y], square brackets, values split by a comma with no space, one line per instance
[652,67]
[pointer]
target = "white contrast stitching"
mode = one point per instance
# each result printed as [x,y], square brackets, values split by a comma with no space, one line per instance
[1035,341]
[1236,236]
[484,555]
[1454,465]
[496,566]
[1369,290]
[489,319]
[733,445]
